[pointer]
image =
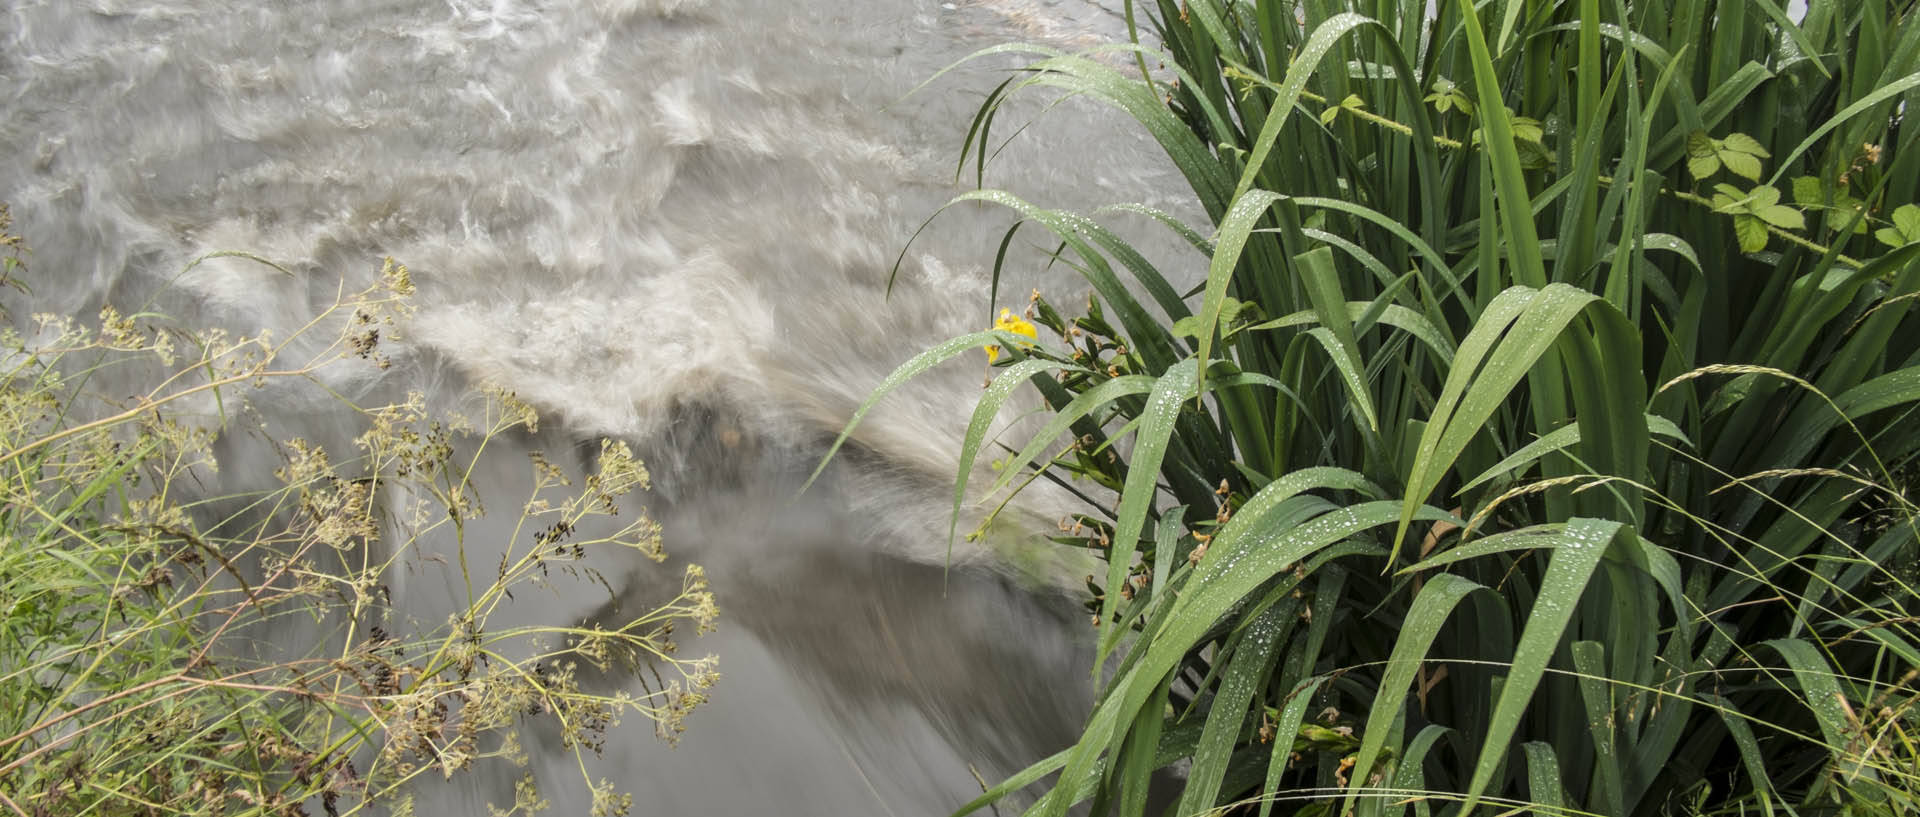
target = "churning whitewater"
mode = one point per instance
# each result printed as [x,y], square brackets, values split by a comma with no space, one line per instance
[671,221]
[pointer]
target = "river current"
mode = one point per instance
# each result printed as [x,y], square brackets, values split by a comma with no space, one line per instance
[669,221]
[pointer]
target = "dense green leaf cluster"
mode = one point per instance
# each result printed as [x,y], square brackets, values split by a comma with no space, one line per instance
[1542,435]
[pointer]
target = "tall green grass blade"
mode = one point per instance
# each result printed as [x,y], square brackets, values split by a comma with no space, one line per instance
[1580,545]
[1026,777]
[984,413]
[1064,417]
[1235,227]
[1150,445]
[1544,784]
[1291,716]
[1749,748]
[1424,619]
[1589,660]
[1881,95]
[1556,440]
[1516,209]
[1472,393]
[1819,688]
[928,359]
[1394,315]
[1329,304]
[1226,716]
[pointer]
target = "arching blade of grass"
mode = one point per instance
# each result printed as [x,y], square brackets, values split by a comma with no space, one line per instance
[1228,712]
[1150,445]
[1880,96]
[1580,546]
[1544,784]
[1819,688]
[1147,336]
[1516,207]
[1557,440]
[1589,661]
[983,414]
[1394,315]
[1211,593]
[1424,618]
[1329,304]
[928,359]
[1748,746]
[1473,392]
[1291,716]
[1063,419]
[1235,227]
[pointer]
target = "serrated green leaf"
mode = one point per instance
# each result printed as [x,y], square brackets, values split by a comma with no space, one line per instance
[1527,129]
[1890,237]
[1699,145]
[1807,191]
[1741,164]
[1906,219]
[1743,144]
[1785,217]
[1750,231]
[1703,166]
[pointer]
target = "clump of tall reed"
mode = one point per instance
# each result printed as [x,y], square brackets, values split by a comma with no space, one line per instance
[1541,436]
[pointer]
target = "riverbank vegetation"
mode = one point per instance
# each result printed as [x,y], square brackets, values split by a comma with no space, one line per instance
[1541,438]
[168,652]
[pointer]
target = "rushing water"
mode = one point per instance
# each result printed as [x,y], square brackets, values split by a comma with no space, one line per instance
[667,220]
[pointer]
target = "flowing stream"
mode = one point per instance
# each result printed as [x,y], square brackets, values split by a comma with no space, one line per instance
[671,221]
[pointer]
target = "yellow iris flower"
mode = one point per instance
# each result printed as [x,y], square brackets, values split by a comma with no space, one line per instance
[1010,322]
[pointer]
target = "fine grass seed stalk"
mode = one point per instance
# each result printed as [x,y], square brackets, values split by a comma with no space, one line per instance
[134,675]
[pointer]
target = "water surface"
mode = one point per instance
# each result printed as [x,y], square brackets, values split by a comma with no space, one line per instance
[672,221]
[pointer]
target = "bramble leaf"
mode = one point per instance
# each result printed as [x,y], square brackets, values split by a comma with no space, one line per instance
[1751,232]
[1699,145]
[1742,164]
[1907,219]
[1743,144]
[1738,152]
[1780,215]
[1807,191]
[1905,229]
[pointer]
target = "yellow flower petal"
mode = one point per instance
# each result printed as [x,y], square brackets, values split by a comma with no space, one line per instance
[1009,322]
